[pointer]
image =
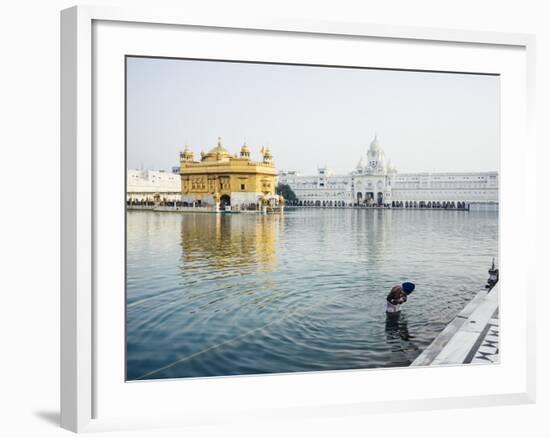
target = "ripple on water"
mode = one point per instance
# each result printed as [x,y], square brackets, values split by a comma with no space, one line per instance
[215,295]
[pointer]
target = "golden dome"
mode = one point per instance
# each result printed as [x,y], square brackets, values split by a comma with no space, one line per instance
[267,154]
[187,154]
[245,151]
[217,153]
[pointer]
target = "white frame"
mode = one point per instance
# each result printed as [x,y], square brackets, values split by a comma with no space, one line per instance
[77,198]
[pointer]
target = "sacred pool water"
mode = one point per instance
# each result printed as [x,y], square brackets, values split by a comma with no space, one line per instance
[212,294]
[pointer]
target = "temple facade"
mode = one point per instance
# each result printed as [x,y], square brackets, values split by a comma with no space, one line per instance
[375,182]
[233,181]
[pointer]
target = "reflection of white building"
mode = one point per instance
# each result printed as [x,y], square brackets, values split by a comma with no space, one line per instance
[152,185]
[375,182]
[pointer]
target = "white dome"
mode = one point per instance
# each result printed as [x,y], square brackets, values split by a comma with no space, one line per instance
[374,145]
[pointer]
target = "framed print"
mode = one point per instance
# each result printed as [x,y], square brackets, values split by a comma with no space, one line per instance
[288,218]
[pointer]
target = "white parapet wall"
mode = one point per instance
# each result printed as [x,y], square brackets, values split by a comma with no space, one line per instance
[190,199]
[245,198]
[483,206]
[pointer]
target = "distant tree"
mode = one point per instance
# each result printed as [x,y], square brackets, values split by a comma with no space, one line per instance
[286,192]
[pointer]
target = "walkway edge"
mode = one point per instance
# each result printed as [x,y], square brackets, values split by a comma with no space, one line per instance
[462,332]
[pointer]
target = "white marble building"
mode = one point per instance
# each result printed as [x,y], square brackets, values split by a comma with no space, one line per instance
[376,182]
[152,186]
[468,186]
[334,190]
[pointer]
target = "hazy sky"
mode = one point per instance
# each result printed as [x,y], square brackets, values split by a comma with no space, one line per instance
[311,116]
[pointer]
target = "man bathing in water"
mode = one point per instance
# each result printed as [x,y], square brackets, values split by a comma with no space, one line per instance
[398,296]
[395,298]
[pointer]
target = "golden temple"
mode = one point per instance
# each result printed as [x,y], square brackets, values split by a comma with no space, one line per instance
[226,180]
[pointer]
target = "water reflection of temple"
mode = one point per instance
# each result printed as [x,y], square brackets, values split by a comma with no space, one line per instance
[226,242]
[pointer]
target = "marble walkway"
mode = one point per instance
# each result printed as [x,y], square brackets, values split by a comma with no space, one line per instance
[471,337]
[488,351]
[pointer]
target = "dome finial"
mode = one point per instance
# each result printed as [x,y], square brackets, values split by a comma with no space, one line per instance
[219,141]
